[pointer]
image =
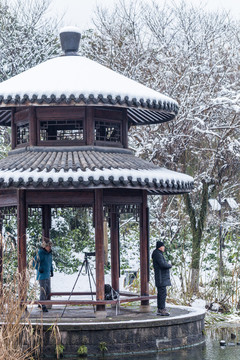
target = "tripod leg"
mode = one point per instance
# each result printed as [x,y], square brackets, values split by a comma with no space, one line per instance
[79,273]
[89,272]
[92,276]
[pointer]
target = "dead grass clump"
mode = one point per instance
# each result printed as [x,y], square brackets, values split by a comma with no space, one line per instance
[19,340]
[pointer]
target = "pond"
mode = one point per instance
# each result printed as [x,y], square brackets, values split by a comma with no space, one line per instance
[211,350]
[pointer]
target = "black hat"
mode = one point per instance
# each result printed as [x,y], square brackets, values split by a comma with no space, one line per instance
[159,244]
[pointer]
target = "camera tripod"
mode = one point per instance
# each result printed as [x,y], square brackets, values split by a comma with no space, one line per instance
[88,271]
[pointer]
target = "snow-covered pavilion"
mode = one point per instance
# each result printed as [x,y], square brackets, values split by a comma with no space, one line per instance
[69,118]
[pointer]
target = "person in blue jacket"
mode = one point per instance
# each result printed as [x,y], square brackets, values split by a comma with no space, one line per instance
[43,264]
[162,277]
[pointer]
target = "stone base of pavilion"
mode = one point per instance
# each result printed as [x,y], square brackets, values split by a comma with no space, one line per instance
[125,329]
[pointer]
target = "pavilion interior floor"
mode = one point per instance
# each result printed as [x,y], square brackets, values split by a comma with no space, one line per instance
[84,314]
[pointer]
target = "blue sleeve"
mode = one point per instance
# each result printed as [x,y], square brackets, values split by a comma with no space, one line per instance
[38,260]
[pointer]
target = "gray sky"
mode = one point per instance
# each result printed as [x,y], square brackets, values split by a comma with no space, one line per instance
[79,12]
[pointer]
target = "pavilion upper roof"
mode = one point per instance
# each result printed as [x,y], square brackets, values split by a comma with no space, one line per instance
[77,80]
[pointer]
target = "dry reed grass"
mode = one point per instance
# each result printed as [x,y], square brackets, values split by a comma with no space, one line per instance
[19,340]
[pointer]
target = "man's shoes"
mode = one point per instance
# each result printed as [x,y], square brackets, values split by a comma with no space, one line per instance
[44,309]
[163,312]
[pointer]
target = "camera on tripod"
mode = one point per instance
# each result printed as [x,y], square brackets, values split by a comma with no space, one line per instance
[89,254]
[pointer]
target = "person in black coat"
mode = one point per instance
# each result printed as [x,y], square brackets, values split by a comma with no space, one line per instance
[162,277]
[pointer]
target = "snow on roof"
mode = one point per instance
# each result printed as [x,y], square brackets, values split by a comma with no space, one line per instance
[70,29]
[160,174]
[72,77]
[214,204]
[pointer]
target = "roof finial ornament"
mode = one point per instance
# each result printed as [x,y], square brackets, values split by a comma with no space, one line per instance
[70,38]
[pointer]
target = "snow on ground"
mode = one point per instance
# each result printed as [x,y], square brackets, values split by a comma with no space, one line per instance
[61,282]
[199,303]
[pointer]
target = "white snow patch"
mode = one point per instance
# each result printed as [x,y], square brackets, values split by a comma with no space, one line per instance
[214,204]
[199,304]
[70,29]
[231,203]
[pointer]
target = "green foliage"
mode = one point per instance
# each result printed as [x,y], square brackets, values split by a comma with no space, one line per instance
[82,350]
[103,347]
[71,234]
[129,242]
[9,247]
[59,350]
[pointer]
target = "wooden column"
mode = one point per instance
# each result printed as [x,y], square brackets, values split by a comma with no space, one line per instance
[21,237]
[89,125]
[115,251]
[125,129]
[99,247]
[32,127]
[144,249]
[14,132]
[46,221]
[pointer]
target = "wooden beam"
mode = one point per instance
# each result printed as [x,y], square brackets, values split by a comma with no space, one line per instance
[21,237]
[108,113]
[60,197]
[99,247]
[144,249]
[60,112]
[122,196]
[8,198]
[115,251]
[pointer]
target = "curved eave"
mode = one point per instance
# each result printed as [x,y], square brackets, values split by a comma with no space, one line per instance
[82,99]
[88,168]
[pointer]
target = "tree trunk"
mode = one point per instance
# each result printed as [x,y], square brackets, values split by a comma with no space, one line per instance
[195,264]
[197,227]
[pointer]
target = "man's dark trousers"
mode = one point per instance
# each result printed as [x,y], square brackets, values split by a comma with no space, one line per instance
[161,297]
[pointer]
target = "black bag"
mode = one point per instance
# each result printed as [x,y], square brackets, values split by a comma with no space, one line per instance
[110,293]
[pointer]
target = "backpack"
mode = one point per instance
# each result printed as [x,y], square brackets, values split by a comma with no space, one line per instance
[110,293]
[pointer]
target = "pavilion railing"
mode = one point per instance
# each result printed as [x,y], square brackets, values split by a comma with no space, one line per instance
[124,297]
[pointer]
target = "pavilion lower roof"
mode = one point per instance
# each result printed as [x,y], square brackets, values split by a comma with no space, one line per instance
[87,167]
